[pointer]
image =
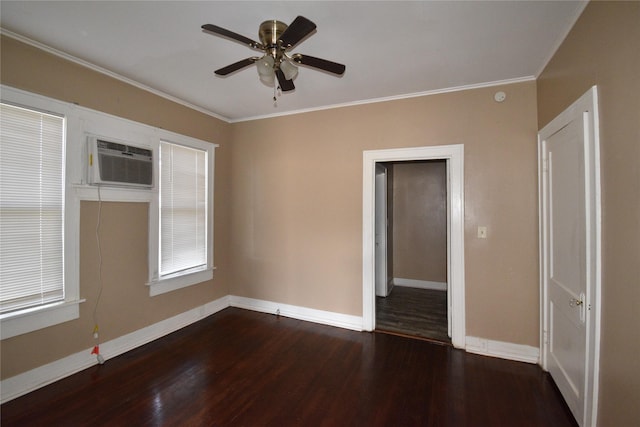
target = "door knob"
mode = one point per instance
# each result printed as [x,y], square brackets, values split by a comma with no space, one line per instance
[575,302]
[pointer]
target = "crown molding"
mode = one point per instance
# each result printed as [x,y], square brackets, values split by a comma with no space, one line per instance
[393,98]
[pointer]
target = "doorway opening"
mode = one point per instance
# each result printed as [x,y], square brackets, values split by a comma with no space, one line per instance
[411,249]
[453,155]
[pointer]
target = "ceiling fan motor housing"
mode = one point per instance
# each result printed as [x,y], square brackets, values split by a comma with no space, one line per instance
[270,32]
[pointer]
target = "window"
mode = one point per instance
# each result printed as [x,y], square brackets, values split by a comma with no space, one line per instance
[183,209]
[184,252]
[31,208]
[32,220]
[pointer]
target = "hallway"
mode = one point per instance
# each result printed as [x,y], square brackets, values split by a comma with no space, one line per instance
[415,312]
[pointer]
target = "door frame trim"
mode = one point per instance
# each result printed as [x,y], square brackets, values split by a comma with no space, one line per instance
[586,105]
[454,155]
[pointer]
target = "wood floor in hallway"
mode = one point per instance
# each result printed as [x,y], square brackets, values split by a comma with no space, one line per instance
[244,368]
[414,312]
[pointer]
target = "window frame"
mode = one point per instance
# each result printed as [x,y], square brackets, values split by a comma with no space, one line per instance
[162,284]
[31,319]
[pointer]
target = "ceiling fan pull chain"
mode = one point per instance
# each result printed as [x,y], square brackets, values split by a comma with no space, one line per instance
[277,91]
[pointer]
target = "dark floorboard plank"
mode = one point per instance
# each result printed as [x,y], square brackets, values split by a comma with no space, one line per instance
[242,368]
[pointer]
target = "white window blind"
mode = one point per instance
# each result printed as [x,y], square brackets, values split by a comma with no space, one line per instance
[31,208]
[183,208]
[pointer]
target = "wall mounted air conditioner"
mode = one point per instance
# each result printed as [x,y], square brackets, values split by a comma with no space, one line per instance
[114,163]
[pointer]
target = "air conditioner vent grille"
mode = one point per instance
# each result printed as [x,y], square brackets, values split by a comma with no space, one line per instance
[125,170]
[116,163]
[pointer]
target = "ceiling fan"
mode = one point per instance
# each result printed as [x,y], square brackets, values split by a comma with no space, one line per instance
[276,39]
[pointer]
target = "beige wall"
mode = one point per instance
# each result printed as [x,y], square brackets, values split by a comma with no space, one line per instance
[297,202]
[603,48]
[420,221]
[125,305]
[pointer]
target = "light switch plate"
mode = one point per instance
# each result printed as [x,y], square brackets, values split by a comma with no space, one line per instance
[482,232]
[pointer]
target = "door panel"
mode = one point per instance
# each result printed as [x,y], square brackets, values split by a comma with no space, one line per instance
[566,281]
[565,156]
[565,366]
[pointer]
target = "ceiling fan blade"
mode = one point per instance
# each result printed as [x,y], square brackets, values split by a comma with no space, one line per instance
[322,64]
[300,28]
[234,36]
[236,66]
[285,85]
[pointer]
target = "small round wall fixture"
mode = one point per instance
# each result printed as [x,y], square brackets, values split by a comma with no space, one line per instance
[500,96]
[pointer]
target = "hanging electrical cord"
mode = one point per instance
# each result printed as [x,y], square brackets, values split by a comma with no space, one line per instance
[96,336]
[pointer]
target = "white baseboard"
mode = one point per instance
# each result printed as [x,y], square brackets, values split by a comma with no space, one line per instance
[301,313]
[503,350]
[41,376]
[420,284]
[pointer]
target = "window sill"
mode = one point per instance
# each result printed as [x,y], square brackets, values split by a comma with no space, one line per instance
[164,285]
[113,194]
[25,321]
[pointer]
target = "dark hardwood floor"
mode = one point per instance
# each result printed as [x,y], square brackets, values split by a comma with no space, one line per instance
[243,368]
[415,312]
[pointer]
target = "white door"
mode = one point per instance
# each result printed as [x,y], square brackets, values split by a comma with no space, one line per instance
[382,288]
[570,254]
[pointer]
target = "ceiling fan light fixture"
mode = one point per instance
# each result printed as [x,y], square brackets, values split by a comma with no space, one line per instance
[290,71]
[264,66]
[268,80]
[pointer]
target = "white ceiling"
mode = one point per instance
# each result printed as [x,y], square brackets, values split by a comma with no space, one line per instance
[391,49]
